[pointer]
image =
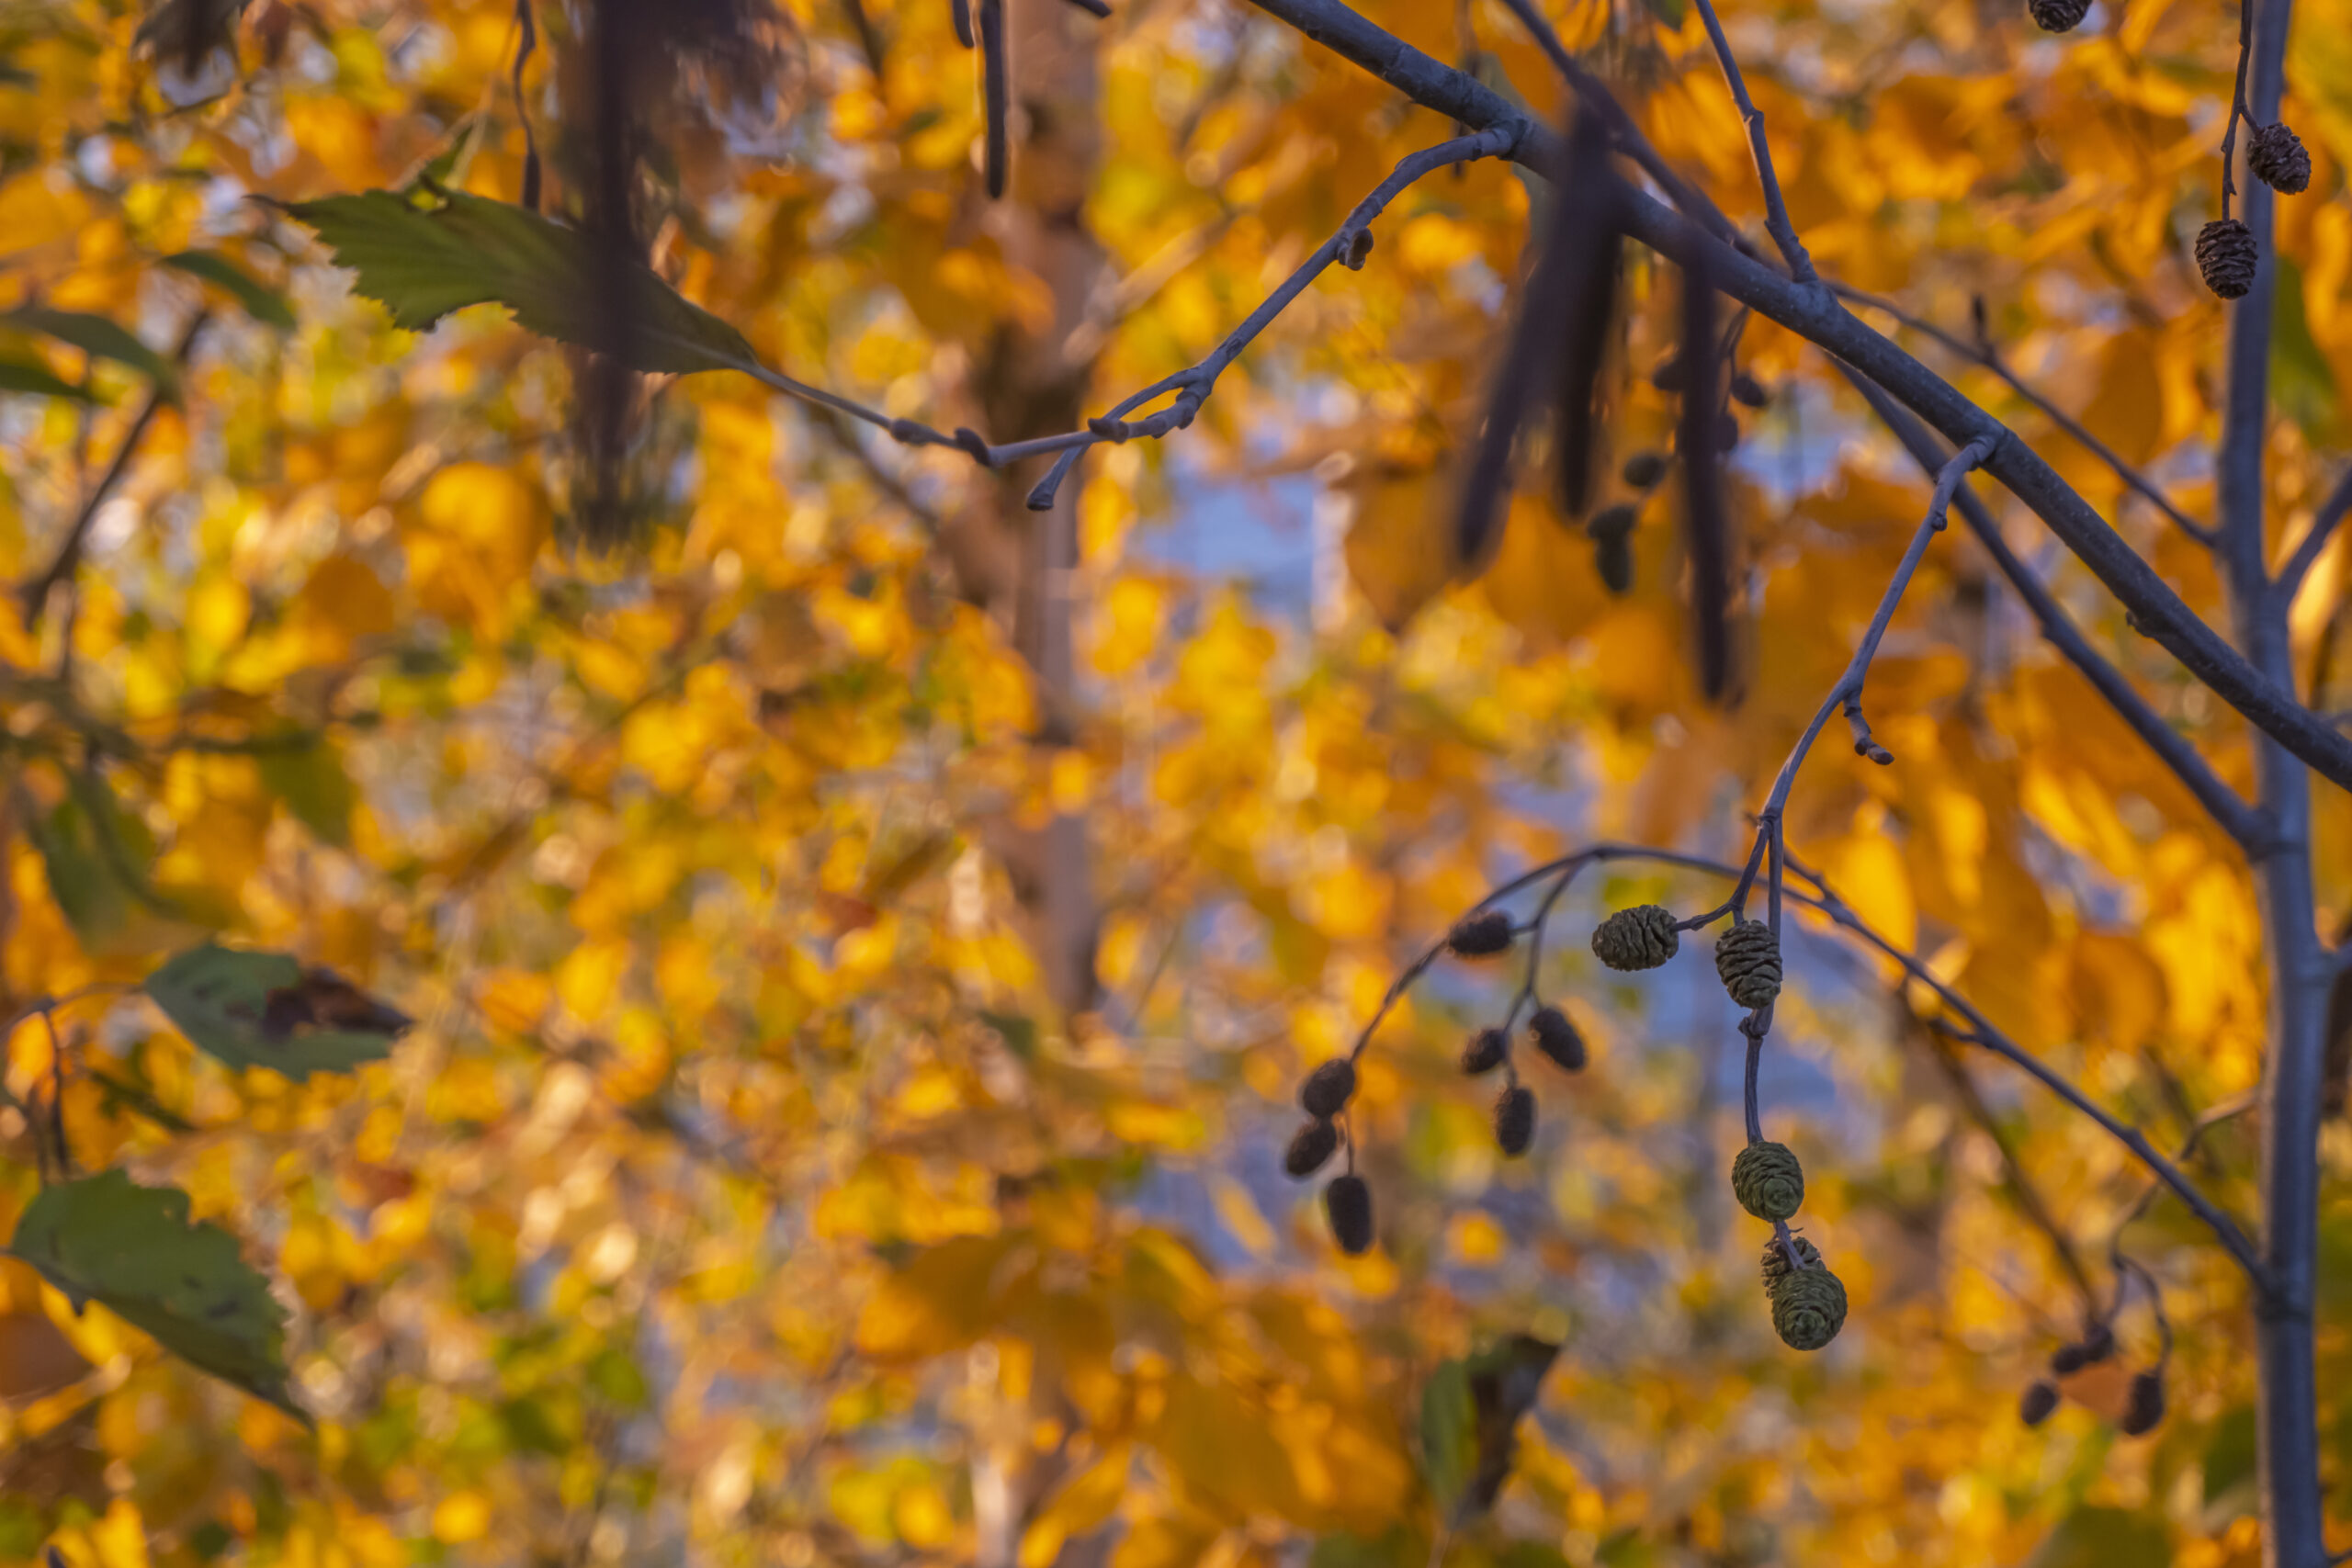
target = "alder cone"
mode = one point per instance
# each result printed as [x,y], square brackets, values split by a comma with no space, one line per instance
[1485,1052]
[1614,559]
[1643,469]
[2088,1351]
[1479,935]
[1329,1089]
[1640,938]
[1515,1120]
[1748,958]
[1776,1262]
[1348,1202]
[2277,157]
[2227,256]
[2143,1407]
[1558,1038]
[1767,1181]
[1314,1143]
[1748,392]
[1808,1308]
[1612,522]
[2058,15]
[2041,1400]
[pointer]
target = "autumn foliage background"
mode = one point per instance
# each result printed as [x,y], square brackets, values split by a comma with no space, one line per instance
[745,1194]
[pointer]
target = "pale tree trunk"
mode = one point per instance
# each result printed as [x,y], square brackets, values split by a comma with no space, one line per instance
[2298,963]
[1030,380]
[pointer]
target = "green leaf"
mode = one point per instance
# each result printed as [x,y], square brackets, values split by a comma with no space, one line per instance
[1671,12]
[262,303]
[2301,381]
[422,263]
[2228,1465]
[263,1009]
[101,338]
[1449,1434]
[315,788]
[17,376]
[2105,1538]
[131,1250]
[95,854]
[1019,1033]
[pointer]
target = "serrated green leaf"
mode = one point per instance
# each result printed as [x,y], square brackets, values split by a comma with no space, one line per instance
[1449,1434]
[100,337]
[260,302]
[16,376]
[422,263]
[131,1250]
[263,1009]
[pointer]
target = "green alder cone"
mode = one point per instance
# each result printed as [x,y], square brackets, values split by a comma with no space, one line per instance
[1808,1308]
[1640,938]
[1776,1261]
[1767,1181]
[1748,958]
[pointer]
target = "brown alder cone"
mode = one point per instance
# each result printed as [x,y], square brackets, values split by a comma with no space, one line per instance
[1558,1038]
[2227,256]
[2058,15]
[2277,157]
[1329,1089]
[1515,1120]
[1480,935]
[2041,1400]
[1776,1261]
[1485,1051]
[1312,1145]
[2143,1407]
[1348,1201]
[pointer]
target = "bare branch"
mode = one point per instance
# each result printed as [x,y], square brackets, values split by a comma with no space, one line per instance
[68,558]
[1776,207]
[1984,354]
[2250,828]
[2290,580]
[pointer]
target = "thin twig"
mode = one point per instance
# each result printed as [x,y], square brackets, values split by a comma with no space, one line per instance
[1985,354]
[2290,580]
[1776,206]
[62,565]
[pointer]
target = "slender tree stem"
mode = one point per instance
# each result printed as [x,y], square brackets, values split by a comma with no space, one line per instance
[1776,206]
[2290,580]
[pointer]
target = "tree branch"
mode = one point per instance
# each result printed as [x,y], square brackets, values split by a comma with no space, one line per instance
[1776,207]
[2290,580]
[2247,826]
[1984,354]
[1814,313]
[62,565]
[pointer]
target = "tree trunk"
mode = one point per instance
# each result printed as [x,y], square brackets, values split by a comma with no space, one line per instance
[2293,1068]
[1032,380]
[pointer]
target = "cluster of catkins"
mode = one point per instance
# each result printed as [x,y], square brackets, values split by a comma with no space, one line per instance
[1611,528]
[2226,252]
[2143,1405]
[1483,934]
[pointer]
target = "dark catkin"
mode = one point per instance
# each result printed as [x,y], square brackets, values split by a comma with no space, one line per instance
[2227,256]
[1748,392]
[1808,1308]
[1515,1120]
[1612,522]
[2092,1349]
[2143,1407]
[1767,1181]
[1643,469]
[1348,1202]
[1485,1051]
[1640,938]
[1747,960]
[2058,15]
[1481,934]
[1669,376]
[2276,156]
[1614,559]
[1558,1039]
[1776,1260]
[1314,1143]
[2041,1400]
[1329,1089]
[1727,433]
